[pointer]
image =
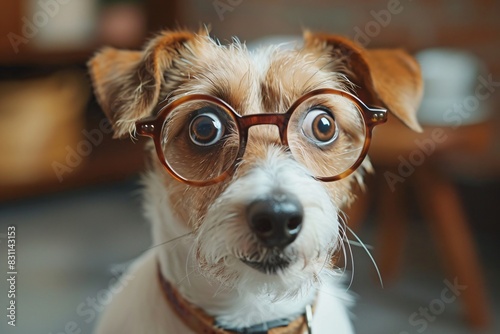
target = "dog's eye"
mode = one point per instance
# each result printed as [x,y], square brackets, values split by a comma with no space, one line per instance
[319,126]
[206,129]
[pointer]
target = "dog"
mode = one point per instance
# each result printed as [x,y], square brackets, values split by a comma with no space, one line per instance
[252,158]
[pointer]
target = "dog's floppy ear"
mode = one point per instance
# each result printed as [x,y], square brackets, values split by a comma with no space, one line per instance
[385,77]
[127,83]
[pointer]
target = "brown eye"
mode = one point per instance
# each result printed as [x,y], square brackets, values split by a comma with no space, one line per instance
[206,129]
[319,127]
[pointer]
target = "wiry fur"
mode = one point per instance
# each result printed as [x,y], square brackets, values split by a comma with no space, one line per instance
[200,234]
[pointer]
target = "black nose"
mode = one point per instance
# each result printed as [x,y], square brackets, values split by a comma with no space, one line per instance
[276,220]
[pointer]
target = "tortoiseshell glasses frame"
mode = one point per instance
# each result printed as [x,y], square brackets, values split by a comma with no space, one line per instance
[153,127]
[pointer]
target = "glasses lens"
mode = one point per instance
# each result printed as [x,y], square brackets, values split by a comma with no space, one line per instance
[200,140]
[326,133]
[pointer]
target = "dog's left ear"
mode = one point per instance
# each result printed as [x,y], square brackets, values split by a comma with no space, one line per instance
[127,84]
[384,77]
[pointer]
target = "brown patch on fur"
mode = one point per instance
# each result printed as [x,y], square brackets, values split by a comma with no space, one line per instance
[189,203]
[388,77]
[293,73]
[127,83]
[225,72]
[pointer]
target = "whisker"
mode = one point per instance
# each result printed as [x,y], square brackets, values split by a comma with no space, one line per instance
[221,288]
[357,244]
[187,264]
[328,257]
[342,217]
[343,248]
[369,255]
[342,245]
[169,241]
[185,277]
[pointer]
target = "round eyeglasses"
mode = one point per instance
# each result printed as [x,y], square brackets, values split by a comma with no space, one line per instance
[200,138]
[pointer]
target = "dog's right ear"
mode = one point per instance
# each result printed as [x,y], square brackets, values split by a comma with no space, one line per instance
[386,77]
[127,83]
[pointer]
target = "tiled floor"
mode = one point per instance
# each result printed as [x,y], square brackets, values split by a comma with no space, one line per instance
[69,245]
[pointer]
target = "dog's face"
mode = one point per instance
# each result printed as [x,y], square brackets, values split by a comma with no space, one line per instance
[270,224]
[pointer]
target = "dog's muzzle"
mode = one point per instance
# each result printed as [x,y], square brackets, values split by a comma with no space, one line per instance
[276,221]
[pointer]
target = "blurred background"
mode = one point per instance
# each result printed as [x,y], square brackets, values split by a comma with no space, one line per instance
[429,213]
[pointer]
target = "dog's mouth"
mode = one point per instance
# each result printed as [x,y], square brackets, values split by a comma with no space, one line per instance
[271,263]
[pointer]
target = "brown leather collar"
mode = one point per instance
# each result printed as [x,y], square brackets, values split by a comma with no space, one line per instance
[200,322]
